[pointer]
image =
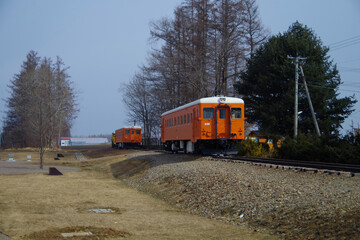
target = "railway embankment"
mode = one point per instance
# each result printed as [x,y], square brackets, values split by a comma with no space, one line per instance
[287,203]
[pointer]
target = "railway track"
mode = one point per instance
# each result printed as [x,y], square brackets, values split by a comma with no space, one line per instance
[306,166]
[335,168]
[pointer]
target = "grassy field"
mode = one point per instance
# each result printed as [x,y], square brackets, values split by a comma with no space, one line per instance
[39,206]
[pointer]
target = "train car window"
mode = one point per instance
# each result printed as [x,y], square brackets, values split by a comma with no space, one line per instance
[236,113]
[208,113]
[127,131]
[188,118]
[222,113]
[138,132]
[132,132]
[191,117]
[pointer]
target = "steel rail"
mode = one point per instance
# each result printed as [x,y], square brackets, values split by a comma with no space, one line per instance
[297,163]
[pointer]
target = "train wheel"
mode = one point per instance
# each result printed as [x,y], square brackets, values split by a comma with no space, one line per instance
[173,147]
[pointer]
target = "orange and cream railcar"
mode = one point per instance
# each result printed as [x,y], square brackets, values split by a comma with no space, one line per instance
[127,137]
[207,125]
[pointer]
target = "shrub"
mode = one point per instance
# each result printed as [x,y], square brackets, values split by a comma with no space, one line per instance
[251,148]
[310,147]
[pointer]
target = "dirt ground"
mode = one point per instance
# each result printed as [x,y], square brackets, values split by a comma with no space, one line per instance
[40,206]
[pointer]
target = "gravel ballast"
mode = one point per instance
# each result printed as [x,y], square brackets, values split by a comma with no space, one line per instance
[289,204]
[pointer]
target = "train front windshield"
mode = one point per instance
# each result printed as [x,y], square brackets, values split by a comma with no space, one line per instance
[236,113]
[208,113]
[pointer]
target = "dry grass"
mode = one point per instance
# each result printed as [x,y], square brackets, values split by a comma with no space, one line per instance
[36,205]
[21,155]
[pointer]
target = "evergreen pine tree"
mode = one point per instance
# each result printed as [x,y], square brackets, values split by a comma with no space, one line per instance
[268,85]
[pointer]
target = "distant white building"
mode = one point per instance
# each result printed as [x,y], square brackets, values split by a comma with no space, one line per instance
[76,141]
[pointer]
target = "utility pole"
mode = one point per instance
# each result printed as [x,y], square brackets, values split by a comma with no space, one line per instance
[296,61]
[310,103]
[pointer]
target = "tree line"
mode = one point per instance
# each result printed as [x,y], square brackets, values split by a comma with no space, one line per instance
[222,48]
[203,49]
[41,106]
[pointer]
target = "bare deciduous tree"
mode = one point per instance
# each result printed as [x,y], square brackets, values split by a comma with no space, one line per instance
[255,32]
[41,105]
[140,103]
[203,50]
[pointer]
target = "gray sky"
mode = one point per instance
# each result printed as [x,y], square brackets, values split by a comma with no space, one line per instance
[104,42]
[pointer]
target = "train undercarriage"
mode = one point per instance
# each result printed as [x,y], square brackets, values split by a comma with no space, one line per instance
[126,145]
[205,147]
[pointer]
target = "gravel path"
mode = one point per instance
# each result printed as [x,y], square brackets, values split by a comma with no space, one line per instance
[22,167]
[4,237]
[292,205]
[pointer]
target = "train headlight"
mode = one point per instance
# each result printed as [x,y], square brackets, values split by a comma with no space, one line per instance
[222,100]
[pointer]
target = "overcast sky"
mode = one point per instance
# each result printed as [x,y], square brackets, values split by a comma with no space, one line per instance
[104,42]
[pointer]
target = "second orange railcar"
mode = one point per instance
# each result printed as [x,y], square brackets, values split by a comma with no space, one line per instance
[126,137]
[208,125]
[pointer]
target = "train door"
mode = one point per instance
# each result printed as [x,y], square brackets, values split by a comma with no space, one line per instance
[223,122]
[163,129]
[132,136]
[126,135]
[194,125]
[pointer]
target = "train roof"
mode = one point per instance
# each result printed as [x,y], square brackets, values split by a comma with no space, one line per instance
[133,127]
[206,100]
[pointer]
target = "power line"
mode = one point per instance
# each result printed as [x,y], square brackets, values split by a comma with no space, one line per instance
[341,89]
[349,69]
[351,84]
[345,40]
[345,43]
[347,61]
[348,44]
